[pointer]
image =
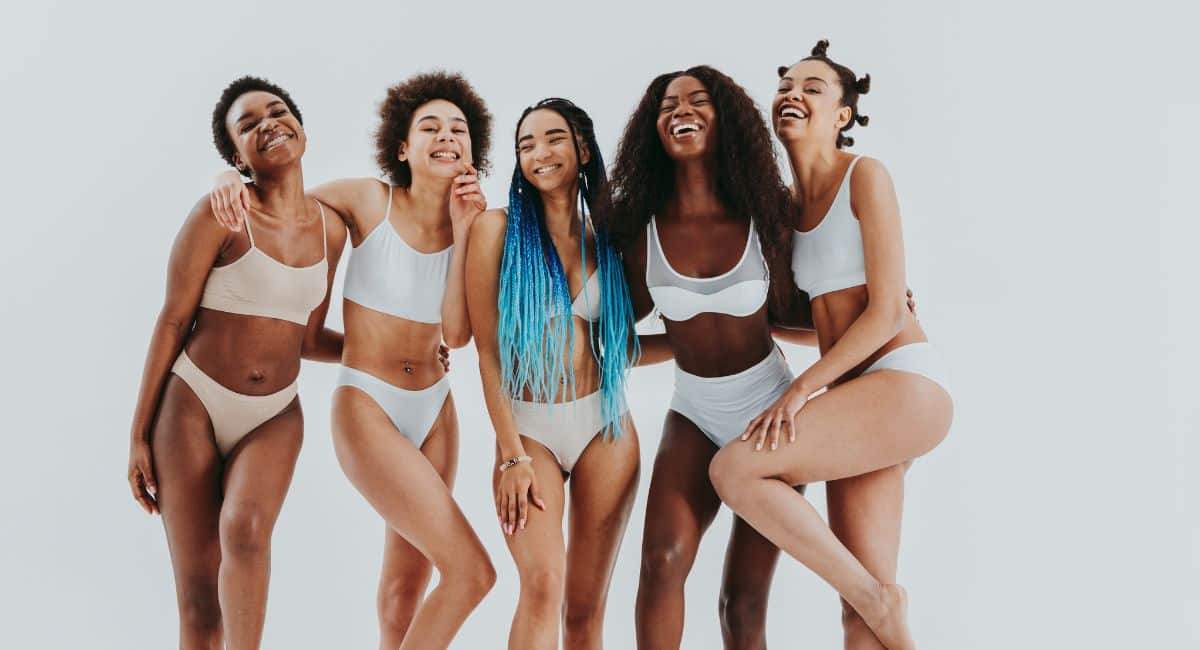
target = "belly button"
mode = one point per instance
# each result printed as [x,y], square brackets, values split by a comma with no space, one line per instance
[257,376]
[407,367]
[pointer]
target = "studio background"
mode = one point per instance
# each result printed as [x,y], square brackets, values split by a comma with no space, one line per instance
[1044,156]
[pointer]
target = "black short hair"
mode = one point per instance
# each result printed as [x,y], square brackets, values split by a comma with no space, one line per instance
[403,99]
[236,89]
[852,88]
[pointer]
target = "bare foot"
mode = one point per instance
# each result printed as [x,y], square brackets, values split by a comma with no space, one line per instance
[891,623]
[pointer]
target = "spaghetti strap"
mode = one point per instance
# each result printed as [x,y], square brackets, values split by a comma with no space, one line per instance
[324,233]
[248,233]
[388,212]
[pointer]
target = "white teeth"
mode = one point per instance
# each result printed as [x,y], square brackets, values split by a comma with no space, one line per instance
[680,129]
[446,154]
[791,111]
[276,141]
[546,170]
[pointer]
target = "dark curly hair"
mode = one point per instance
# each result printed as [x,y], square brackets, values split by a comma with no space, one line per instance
[396,114]
[851,85]
[748,181]
[236,89]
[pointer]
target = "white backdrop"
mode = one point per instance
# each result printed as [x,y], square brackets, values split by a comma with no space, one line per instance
[1042,154]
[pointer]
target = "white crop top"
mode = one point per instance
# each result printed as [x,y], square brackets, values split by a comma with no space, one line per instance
[740,291]
[830,256]
[387,275]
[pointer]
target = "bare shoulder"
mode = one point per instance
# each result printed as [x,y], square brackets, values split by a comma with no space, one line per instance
[202,221]
[489,225]
[869,174]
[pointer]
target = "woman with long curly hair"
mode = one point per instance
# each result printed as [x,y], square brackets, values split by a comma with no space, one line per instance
[554,326]
[695,171]
[887,399]
[218,424]
[394,426]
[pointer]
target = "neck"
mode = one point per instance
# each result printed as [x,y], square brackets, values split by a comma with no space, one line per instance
[809,161]
[281,192]
[695,190]
[429,201]
[561,211]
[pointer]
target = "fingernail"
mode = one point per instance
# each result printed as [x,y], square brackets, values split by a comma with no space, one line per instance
[774,445]
[522,524]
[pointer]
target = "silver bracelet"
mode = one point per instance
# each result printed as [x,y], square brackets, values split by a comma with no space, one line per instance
[513,461]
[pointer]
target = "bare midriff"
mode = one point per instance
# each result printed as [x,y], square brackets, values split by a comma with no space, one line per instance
[399,351]
[718,345]
[833,313]
[581,359]
[251,355]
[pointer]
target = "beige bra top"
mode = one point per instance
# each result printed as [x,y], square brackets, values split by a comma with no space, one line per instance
[257,284]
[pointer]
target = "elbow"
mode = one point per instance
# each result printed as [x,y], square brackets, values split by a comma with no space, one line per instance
[456,339]
[894,314]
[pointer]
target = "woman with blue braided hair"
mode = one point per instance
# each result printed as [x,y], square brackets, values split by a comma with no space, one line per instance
[553,323]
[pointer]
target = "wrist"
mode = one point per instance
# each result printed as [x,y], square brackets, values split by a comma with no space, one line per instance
[804,385]
[513,462]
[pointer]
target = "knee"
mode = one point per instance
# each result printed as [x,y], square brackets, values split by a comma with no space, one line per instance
[582,620]
[665,559]
[743,615]
[199,607]
[245,531]
[543,586]
[474,577]
[728,472]
[397,602]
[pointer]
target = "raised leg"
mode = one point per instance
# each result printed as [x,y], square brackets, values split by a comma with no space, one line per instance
[405,489]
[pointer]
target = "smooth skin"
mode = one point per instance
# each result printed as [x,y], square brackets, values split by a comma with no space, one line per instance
[696,229]
[219,512]
[862,431]
[409,487]
[561,579]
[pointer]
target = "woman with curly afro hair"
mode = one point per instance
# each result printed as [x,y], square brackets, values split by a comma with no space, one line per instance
[218,426]
[703,216]
[394,425]
[887,400]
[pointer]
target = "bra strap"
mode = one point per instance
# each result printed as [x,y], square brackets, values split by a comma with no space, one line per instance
[248,233]
[324,235]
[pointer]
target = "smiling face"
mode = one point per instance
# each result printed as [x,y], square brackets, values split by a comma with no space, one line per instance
[686,119]
[264,131]
[438,142]
[546,153]
[808,103]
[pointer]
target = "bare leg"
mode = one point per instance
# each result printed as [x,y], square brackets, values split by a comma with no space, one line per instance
[875,421]
[188,468]
[406,572]
[540,554]
[257,474]
[750,561]
[406,490]
[603,485]
[680,507]
[864,512]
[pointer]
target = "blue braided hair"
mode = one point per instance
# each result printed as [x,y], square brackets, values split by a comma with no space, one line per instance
[534,300]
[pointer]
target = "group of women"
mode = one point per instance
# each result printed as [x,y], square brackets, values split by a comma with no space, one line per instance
[695,222]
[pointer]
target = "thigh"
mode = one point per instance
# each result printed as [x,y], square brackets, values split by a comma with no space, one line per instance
[397,479]
[875,421]
[401,560]
[682,502]
[603,485]
[259,469]
[865,513]
[540,544]
[188,468]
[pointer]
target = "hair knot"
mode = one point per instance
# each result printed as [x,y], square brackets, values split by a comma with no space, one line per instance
[820,48]
[863,86]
